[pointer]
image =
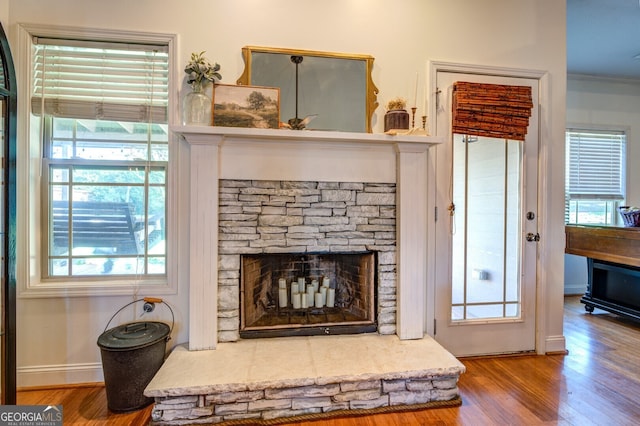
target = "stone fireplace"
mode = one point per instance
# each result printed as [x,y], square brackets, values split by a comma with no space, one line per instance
[324,201]
[332,161]
[288,231]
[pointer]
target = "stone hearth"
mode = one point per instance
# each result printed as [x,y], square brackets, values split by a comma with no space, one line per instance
[263,379]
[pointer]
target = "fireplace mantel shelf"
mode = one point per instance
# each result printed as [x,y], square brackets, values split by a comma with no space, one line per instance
[195,134]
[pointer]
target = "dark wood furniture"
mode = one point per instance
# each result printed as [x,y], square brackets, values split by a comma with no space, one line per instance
[613,260]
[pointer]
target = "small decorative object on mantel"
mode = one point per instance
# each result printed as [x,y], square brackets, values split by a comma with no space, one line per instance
[196,105]
[246,106]
[396,118]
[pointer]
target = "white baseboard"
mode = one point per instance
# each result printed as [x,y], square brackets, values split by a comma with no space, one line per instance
[555,344]
[62,374]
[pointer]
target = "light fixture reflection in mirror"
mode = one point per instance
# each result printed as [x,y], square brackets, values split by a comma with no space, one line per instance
[336,88]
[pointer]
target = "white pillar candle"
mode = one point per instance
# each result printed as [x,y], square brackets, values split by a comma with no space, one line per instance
[282,283]
[426,98]
[301,282]
[282,297]
[331,297]
[325,282]
[318,300]
[314,283]
[296,301]
[304,300]
[310,294]
[294,289]
[415,92]
[323,292]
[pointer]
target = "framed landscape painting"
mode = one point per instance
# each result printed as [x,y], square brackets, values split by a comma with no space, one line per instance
[246,106]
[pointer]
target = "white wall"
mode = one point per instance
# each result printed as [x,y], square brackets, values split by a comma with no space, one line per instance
[600,102]
[57,336]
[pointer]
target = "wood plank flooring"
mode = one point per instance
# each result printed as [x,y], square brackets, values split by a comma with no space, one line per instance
[597,383]
[83,405]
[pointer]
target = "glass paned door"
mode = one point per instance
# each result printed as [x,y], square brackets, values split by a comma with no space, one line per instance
[487,175]
[485,265]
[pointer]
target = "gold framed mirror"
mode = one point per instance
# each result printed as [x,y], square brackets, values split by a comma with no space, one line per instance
[334,90]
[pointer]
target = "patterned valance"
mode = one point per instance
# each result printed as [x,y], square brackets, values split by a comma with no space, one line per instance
[492,110]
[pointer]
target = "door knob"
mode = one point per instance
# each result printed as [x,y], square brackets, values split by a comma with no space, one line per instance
[533,237]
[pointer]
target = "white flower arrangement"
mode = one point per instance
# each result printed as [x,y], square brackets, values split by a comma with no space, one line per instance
[200,70]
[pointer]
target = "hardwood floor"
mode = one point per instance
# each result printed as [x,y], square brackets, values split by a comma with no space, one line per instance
[597,383]
[84,405]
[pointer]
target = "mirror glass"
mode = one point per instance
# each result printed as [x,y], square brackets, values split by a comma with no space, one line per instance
[334,91]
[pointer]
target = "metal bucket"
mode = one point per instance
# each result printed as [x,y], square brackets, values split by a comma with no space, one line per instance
[131,355]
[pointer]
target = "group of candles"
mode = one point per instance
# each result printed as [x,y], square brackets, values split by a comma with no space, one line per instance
[304,295]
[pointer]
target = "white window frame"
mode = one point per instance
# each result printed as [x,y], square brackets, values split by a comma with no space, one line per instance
[615,203]
[29,223]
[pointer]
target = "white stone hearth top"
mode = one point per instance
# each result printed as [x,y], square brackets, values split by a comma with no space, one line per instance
[300,361]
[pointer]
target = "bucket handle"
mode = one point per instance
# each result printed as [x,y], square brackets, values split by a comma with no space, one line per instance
[149,300]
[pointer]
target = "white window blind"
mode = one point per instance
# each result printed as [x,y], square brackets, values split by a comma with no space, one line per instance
[595,164]
[95,80]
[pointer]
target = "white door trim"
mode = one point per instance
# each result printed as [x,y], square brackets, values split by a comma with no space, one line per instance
[544,343]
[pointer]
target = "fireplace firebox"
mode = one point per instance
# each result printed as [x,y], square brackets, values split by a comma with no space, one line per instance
[307,294]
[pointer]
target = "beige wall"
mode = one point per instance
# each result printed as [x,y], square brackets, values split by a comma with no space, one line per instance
[615,103]
[604,103]
[57,336]
[4,12]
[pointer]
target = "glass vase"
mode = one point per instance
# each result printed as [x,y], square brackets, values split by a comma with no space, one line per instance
[196,107]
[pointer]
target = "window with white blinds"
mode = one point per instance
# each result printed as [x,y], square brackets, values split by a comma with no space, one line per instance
[595,175]
[103,109]
[111,81]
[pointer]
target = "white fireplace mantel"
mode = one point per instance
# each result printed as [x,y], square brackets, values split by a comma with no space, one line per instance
[200,134]
[270,154]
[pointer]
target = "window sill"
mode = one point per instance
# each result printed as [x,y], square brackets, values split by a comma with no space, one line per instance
[117,287]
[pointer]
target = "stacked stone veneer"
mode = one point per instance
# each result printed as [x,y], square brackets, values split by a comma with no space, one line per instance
[317,396]
[304,217]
